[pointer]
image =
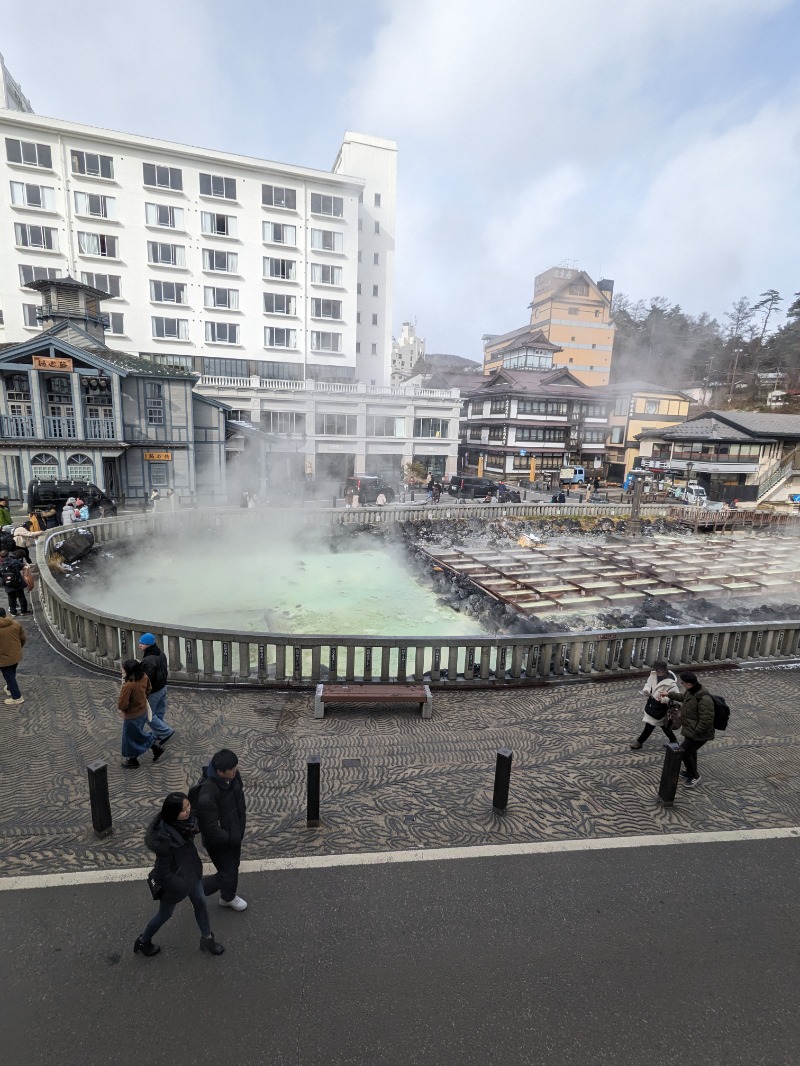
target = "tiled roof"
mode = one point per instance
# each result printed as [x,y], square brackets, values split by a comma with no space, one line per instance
[763,423]
[622,388]
[528,336]
[704,428]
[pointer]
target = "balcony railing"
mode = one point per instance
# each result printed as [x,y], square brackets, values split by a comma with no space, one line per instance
[99,428]
[357,388]
[16,425]
[60,428]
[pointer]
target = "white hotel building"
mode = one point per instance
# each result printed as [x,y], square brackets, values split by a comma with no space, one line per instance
[272,282]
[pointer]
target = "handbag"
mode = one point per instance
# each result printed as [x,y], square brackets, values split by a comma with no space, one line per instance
[155,886]
[655,708]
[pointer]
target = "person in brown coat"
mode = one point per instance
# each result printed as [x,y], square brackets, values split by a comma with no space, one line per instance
[132,705]
[12,637]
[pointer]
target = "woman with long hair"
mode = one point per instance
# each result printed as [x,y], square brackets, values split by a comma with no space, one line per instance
[178,872]
[132,705]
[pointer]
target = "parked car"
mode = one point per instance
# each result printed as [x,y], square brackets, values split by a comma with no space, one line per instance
[472,487]
[368,488]
[43,495]
[572,475]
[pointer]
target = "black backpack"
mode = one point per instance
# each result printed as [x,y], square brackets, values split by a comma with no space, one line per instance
[722,712]
[11,575]
[194,791]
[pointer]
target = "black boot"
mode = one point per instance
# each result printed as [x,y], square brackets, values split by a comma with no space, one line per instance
[145,947]
[158,751]
[130,764]
[209,944]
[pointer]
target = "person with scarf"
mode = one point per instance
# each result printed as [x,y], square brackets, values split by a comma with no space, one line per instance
[178,872]
[658,687]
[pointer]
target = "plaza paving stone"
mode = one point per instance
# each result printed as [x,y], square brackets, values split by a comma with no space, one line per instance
[417,784]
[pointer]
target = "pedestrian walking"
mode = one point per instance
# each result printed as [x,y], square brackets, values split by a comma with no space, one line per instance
[697,726]
[177,873]
[222,817]
[132,705]
[12,637]
[154,664]
[12,574]
[658,687]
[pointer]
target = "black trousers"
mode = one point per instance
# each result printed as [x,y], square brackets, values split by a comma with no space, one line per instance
[16,600]
[648,729]
[690,749]
[226,878]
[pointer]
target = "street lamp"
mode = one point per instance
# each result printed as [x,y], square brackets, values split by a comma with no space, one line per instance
[689,466]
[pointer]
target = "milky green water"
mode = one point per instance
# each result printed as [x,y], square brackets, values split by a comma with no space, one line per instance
[279,589]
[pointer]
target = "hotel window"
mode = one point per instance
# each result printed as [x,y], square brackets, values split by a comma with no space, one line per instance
[106,282]
[358,288]
[322,274]
[278,233]
[36,236]
[27,274]
[166,254]
[279,268]
[374,320]
[168,292]
[279,338]
[593,436]
[475,433]
[497,407]
[29,316]
[87,203]
[277,196]
[377,227]
[41,196]
[155,402]
[326,309]
[358,347]
[377,199]
[617,435]
[327,240]
[170,328]
[374,350]
[163,215]
[592,410]
[214,297]
[384,426]
[158,471]
[222,333]
[221,262]
[579,288]
[432,427]
[337,425]
[325,342]
[284,422]
[497,433]
[374,290]
[98,244]
[116,323]
[29,153]
[376,258]
[162,177]
[278,303]
[216,185]
[327,205]
[218,225]
[91,164]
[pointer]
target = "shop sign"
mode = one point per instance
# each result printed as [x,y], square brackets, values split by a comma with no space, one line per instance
[158,457]
[42,362]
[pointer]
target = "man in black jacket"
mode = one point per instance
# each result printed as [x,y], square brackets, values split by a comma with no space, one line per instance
[154,663]
[222,818]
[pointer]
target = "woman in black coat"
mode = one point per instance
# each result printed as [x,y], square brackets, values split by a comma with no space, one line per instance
[178,870]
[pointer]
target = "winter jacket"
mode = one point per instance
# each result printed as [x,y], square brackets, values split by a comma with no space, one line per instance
[655,688]
[697,713]
[12,568]
[12,637]
[154,662]
[24,538]
[5,516]
[133,698]
[178,866]
[67,515]
[221,811]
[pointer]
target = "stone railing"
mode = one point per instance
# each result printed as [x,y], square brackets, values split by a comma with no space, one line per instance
[228,657]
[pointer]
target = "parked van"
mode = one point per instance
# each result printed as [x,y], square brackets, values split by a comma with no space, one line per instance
[42,495]
[368,488]
[572,475]
[472,487]
[695,496]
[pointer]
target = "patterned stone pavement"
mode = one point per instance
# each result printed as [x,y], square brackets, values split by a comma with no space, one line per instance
[417,784]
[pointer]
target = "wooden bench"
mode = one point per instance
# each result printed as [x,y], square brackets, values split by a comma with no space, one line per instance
[369,693]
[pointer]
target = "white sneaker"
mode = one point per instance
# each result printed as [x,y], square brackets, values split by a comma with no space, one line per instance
[10,700]
[236,904]
[5,689]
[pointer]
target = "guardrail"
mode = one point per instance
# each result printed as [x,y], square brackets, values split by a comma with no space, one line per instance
[282,660]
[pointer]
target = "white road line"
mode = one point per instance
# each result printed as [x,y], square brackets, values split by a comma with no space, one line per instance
[380,858]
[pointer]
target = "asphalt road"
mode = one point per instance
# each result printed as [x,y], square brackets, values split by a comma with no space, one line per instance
[638,957]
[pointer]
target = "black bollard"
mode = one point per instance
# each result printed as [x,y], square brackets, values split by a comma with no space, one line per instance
[669,775]
[502,779]
[98,797]
[312,789]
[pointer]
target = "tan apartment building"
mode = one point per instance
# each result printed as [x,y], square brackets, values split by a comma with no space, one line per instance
[638,407]
[574,313]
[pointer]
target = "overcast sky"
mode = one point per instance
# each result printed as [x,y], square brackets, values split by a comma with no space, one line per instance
[656,143]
